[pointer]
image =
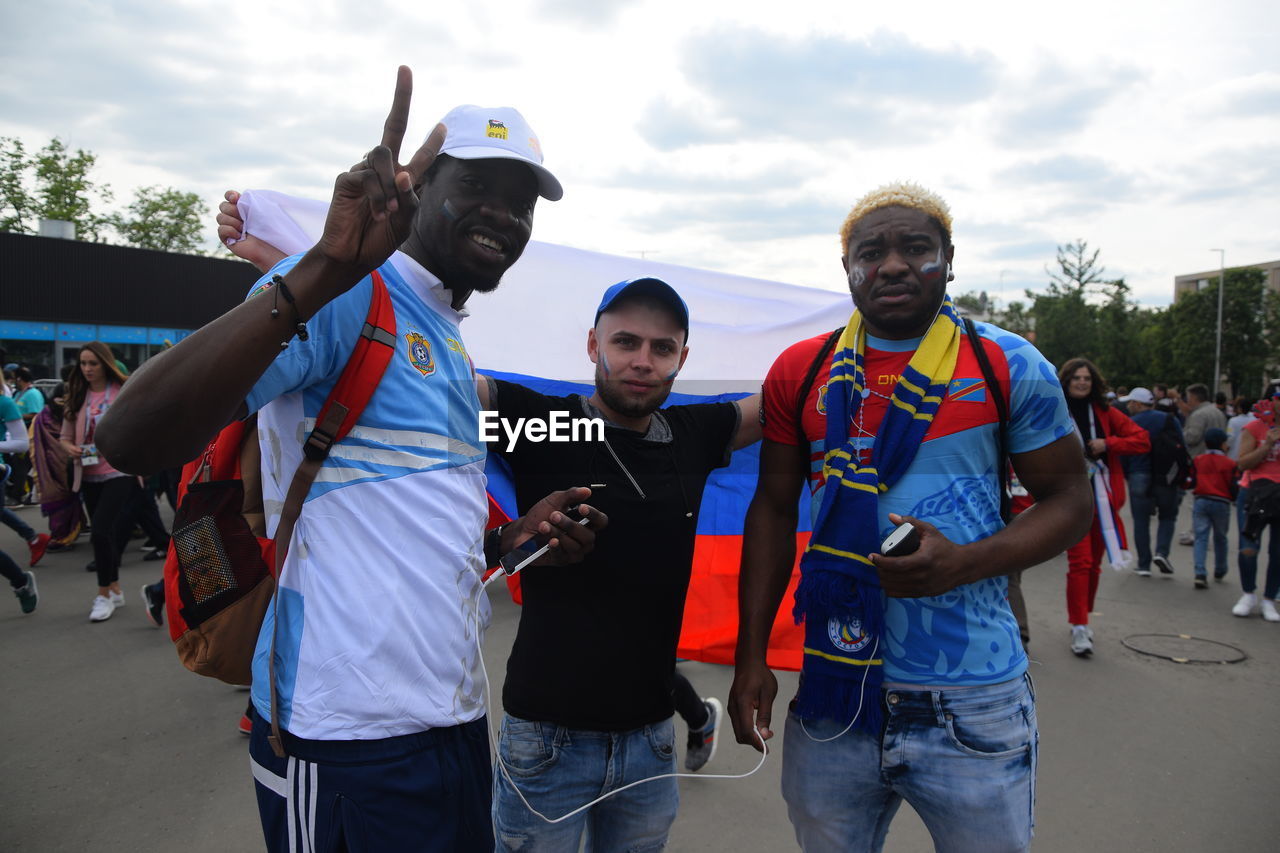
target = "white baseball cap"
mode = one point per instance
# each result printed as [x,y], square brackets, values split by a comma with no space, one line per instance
[1139,395]
[483,133]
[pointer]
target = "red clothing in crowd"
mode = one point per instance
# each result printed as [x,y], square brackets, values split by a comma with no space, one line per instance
[1215,475]
[1084,559]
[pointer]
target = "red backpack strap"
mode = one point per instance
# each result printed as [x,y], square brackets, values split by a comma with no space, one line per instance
[341,410]
[359,378]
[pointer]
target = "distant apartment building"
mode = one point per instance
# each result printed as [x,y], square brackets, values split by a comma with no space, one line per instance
[1191,282]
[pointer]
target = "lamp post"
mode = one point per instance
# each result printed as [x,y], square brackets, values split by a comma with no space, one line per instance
[1222,286]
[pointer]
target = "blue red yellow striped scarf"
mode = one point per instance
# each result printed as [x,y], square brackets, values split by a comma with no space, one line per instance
[839,596]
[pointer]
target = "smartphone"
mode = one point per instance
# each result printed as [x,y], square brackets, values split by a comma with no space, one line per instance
[904,540]
[526,552]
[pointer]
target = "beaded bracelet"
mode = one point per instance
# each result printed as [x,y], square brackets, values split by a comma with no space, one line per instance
[281,287]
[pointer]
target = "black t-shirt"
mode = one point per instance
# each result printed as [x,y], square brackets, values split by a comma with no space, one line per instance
[597,641]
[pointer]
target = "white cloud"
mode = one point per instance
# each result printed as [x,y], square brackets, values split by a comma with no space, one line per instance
[731,135]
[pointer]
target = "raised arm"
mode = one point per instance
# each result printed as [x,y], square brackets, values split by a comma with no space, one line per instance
[768,553]
[175,403]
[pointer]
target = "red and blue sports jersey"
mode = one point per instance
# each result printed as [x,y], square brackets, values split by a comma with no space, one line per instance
[967,636]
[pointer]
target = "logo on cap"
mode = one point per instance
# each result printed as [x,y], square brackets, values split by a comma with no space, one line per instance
[497,130]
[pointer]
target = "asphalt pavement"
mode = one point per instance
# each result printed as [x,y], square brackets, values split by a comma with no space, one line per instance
[110,745]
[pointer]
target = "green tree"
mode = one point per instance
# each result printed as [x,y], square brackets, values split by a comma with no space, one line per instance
[65,191]
[165,219]
[57,183]
[53,183]
[1077,271]
[1065,325]
[1192,326]
[1017,319]
[17,205]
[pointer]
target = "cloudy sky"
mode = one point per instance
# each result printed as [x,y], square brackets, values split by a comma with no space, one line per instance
[727,135]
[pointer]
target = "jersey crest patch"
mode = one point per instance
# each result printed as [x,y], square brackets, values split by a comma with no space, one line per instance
[420,353]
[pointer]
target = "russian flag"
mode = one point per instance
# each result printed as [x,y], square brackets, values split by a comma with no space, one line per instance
[533,330]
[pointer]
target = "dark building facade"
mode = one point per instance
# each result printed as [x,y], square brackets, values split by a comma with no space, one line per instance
[55,295]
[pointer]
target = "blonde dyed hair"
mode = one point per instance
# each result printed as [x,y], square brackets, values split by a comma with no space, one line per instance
[898,194]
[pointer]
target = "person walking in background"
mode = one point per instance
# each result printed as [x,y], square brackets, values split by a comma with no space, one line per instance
[1260,460]
[13,440]
[108,493]
[1199,416]
[1151,494]
[1211,513]
[59,501]
[1107,434]
[1235,425]
[29,401]
[1202,416]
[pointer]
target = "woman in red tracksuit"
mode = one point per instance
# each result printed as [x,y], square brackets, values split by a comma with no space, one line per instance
[1107,434]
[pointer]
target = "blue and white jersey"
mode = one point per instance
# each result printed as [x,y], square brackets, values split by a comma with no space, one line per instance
[380,606]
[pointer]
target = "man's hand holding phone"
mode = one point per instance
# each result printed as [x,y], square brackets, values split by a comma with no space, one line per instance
[559,529]
[919,561]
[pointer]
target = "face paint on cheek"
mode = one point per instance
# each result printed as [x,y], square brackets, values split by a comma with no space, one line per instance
[447,209]
[604,364]
[861,276]
[932,270]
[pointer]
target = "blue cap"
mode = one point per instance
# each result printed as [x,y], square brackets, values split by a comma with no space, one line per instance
[654,287]
[1215,437]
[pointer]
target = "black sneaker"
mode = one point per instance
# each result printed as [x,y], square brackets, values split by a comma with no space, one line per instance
[28,596]
[155,603]
[1163,564]
[701,746]
[1202,582]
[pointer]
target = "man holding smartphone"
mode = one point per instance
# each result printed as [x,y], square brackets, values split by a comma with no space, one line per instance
[379,606]
[913,683]
[616,616]
[588,693]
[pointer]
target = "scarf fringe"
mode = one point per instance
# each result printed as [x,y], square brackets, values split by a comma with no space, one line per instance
[832,697]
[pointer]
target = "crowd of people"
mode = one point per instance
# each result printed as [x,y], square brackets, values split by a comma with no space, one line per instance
[1234,460]
[51,462]
[915,685]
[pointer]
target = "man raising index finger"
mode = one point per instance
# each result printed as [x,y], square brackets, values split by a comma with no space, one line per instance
[380,609]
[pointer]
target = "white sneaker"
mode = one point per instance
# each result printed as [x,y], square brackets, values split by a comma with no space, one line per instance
[1269,610]
[117,598]
[102,609]
[1245,605]
[1081,640]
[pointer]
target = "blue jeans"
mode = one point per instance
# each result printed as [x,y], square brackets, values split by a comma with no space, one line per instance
[1211,516]
[559,769]
[11,519]
[1248,559]
[1145,500]
[964,759]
